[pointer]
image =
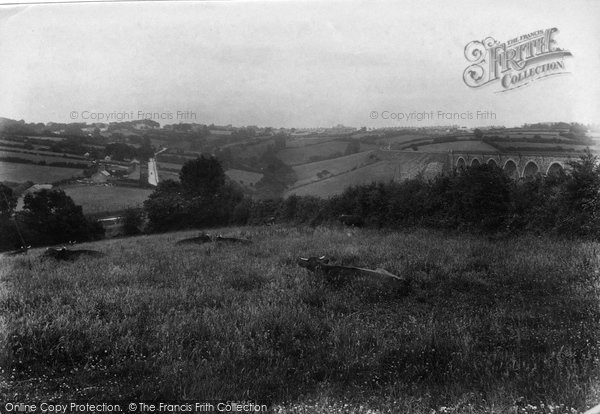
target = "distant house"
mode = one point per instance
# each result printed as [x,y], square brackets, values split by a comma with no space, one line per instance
[100,177]
[134,164]
[112,225]
[133,171]
[220,132]
[145,124]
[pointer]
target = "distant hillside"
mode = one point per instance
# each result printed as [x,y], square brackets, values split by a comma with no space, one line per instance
[394,165]
[316,171]
[312,153]
[457,146]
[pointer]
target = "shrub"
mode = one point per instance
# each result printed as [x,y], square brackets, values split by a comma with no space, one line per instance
[51,217]
[132,221]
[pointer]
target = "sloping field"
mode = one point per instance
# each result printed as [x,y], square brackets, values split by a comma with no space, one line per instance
[401,139]
[529,133]
[458,146]
[297,142]
[398,166]
[255,150]
[306,154]
[549,145]
[46,153]
[48,138]
[379,171]
[244,177]
[169,166]
[41,156]
[40,174]
[101,198]
[168,175]
[483,326]
[310,172]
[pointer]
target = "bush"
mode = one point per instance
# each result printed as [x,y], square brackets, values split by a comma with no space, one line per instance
[165,207]
[202,199]
[51,217]
[477,199]
[133,220]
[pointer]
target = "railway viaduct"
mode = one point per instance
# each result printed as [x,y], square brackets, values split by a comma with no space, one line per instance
[516,165]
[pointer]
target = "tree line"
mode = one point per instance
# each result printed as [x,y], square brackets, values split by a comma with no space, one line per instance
[48,217]
[480,199]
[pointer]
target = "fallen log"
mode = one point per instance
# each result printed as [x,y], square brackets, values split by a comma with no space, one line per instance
[203,238]
[321,264]
[220,238]
[63,253]
[20,250]
[206,238]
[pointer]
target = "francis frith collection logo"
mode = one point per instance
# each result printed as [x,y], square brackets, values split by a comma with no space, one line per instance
[516,62]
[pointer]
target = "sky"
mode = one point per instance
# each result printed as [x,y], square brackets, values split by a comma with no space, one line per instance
[287,63]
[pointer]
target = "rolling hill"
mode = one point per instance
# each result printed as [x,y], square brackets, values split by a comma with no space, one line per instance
[393,165]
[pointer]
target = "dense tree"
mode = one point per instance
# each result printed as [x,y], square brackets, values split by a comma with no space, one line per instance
[133,219]
[9,237]
[8,201]
[203,176]
[119,151]
[51,217]
[165,207]
[480,197]
[579,204]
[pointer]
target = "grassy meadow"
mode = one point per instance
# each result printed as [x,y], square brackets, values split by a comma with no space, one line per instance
[507,325]
[100,198]
[17,172]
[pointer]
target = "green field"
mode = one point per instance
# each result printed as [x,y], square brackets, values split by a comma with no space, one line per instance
[307,173]
[458,146]
[298,142]
[169,166]
[380,171]
[402,139]
[35,158]
[17,173]
[402,165]
[303,155]
[244,177]
[482,326]
[541,145]
[102,198]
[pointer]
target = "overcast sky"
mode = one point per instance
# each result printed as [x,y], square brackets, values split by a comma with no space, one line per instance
[287,63]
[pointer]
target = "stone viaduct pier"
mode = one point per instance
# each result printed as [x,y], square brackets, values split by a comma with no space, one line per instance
[522,164]
[516,165]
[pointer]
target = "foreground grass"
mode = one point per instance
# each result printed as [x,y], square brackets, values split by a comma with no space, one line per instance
[482,326]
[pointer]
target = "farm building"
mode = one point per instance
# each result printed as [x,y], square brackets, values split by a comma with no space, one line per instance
[100,177]
[133,171]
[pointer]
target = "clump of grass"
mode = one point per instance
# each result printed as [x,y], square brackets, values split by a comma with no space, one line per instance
[483,325]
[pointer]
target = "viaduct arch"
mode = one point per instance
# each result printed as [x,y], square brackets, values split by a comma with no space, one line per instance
[522,165]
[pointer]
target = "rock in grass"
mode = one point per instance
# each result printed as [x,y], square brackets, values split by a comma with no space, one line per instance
[63,253]
[201,239]
[20,250]
[220,238]
[322,264]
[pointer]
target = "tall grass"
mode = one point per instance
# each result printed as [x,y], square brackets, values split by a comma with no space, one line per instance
[482,325]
